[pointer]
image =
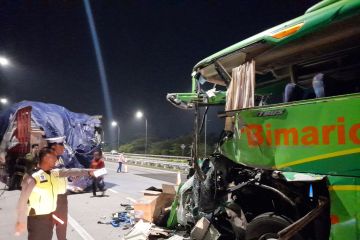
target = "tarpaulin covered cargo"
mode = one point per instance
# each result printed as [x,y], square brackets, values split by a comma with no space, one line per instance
[81,130]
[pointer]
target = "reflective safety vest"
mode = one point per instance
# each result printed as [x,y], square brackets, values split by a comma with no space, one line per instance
[62,183]
[43,197]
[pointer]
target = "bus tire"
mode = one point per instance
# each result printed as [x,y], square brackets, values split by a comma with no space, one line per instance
[266,226]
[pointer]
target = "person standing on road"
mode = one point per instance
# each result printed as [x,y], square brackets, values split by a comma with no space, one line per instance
[98,163]
[121,160]
[57,145]
[38,196]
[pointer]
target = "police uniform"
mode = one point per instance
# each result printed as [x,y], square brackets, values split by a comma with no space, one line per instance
[62,205]
[40,191]
[62,202]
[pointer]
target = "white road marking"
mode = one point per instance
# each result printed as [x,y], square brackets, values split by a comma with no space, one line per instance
[79,229]
[113,190]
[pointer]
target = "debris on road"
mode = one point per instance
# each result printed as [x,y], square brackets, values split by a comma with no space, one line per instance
[140,231]
[123,219]
[155,204]
[204,230]
[148,231]
[151,212]
[178,237]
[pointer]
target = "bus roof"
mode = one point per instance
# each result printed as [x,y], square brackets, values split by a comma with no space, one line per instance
[324,24]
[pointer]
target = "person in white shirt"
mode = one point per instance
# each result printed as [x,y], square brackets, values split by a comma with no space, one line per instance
[121,160]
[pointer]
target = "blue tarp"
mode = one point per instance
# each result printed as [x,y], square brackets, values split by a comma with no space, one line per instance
[56,120]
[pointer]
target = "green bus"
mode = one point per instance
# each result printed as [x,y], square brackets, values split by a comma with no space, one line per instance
[286,163]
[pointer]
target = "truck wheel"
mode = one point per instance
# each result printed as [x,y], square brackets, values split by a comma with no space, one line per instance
[266,226]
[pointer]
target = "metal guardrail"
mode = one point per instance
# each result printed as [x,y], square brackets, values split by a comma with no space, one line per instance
[162,161]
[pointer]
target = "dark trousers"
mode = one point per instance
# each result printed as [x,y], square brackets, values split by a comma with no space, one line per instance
[98,183]
[40,227]
[119,168]
[62,213]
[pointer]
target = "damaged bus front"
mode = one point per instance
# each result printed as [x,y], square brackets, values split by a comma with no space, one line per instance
[286,166]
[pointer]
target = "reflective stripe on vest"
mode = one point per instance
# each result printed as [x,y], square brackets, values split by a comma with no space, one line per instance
[62,187]
[44,195]
[61,183]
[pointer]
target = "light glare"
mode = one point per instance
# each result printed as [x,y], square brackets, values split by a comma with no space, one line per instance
[139,114]
[3,101]
[4,61]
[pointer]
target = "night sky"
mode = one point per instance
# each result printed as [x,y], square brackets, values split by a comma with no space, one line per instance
[148,47]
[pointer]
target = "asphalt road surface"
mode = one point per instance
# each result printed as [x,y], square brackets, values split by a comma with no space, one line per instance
[85,211]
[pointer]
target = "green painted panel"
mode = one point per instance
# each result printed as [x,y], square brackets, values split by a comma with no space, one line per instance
[345,206]
[314,136]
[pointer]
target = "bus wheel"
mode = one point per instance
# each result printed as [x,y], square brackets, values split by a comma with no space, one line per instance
[266,226]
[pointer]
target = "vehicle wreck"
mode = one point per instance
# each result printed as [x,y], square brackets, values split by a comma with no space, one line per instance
[27,123]
[286,163]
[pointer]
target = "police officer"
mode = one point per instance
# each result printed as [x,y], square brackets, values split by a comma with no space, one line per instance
[57,145]
[40,191]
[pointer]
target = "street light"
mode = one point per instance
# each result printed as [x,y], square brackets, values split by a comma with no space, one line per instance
[4,61]
[115,124]
[4,101]
[140,115]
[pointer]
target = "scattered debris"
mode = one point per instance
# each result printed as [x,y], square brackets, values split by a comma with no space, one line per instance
[153,208]
[152,188]
[125,205]
[122,219]
[156,232]
[204,230]
[179,237]
[140,231]
[148,231]
[154,204]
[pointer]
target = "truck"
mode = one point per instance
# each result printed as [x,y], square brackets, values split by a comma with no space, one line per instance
[287,164]
[29,123]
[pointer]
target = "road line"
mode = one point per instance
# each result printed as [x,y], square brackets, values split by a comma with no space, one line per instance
[79,229]
[112,190]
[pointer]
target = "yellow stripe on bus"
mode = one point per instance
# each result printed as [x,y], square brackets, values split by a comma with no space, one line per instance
[344,188]
[319,157]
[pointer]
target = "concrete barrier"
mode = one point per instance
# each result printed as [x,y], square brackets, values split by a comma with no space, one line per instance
[159,161]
